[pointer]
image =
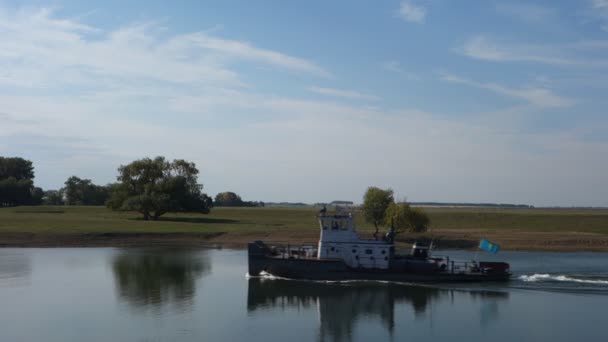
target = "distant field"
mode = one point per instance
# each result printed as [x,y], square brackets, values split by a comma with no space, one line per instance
[532,220]
[74,220]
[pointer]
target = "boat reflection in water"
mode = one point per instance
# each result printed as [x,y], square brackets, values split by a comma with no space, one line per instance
[342,305]
[152,277]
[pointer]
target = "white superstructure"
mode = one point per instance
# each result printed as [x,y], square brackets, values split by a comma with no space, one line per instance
[339,240]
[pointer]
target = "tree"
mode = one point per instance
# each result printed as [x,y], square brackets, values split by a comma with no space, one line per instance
[17,182]
[53,197]
[228,199]
[403,218]
[83,192]
[154,187]
[375,203]
[17,168]
[37,195]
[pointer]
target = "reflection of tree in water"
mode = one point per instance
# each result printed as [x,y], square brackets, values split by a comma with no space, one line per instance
[15,267]
[153,277]
[339,305]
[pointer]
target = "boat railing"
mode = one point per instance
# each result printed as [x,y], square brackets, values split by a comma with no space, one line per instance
[293,251]
[458,267]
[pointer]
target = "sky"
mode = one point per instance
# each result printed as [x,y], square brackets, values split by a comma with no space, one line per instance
[314,101]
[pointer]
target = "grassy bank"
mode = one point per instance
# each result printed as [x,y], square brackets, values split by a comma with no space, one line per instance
[559,229]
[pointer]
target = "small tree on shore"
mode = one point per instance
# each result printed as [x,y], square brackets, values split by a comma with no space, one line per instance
[375,203]
[228,199]
[403,218]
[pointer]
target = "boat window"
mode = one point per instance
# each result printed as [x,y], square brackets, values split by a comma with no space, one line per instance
[343,225]
[333,249]
[354,251]
[368,251]
[383,251]
[386,258]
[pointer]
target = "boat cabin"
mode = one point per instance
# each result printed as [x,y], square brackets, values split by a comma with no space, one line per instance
[420,251]
[339,240]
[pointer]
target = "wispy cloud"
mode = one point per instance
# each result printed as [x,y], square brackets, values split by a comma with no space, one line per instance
[412,13]
[247,51]
[38,50]
[566,55]
[527,12]
[540,97]
[601,4]
[599,10]
[351,94]
[397,68]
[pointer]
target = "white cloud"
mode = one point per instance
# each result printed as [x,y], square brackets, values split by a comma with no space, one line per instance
[565,55]
[411,12]
[540,97]
[351,94]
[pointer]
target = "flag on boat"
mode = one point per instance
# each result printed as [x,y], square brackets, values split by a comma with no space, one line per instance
[488,246]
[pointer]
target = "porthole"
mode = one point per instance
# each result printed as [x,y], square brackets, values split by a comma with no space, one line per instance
[356,257]
[383,251]
[386,258]
[333,249]
[354,251]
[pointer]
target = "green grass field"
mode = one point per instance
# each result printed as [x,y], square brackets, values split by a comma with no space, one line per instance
[74,219]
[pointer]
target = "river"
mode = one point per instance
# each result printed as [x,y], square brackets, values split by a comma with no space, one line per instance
[164,294]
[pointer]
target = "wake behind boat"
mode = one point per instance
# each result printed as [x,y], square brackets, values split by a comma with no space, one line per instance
[342,255]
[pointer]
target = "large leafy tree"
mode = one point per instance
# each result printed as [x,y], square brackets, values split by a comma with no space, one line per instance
[17,182]
[375,203]
[156,186]
[403,218]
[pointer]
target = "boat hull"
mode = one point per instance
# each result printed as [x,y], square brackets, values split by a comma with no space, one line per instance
[336,270]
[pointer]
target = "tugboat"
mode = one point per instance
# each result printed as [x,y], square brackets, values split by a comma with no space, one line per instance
[342,255]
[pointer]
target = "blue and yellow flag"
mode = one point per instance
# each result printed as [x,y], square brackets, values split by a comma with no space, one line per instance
[488,246]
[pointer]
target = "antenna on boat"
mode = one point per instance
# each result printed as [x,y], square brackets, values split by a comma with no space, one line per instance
[323,210]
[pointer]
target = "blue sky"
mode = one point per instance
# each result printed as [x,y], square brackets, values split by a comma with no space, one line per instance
[477,101]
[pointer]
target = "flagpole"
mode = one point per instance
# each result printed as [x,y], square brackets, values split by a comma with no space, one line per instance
[476,252]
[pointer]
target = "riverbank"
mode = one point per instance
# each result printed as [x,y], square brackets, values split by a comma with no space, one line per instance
[522,241]
[513,229]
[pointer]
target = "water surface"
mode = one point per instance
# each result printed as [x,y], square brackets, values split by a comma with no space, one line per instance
[107,294]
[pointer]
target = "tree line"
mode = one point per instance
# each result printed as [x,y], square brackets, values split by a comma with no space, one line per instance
[230,199]
[151,187]
[157,186]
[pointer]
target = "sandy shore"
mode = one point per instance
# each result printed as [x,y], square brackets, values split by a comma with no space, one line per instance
[447,239]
